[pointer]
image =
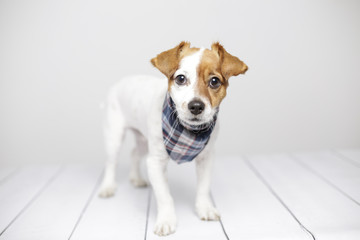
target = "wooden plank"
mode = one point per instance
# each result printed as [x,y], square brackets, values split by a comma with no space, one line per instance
[21,190]
[340,174]
[352,155]
[248,209]
[182,180]
[325,211]
[122,216]
[54,213]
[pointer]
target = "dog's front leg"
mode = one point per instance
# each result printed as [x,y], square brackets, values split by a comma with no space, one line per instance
[204,206]
[166,218]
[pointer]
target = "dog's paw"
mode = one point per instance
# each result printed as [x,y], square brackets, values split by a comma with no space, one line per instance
[208,213]
[165,226]
[138,182]
[107,190]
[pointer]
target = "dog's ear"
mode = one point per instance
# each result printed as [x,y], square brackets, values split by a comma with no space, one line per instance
[230,65]
[167,62]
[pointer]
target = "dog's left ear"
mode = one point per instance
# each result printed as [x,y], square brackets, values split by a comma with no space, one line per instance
[230,65]
[167,62]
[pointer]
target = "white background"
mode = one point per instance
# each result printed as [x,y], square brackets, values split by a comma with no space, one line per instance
[58,59]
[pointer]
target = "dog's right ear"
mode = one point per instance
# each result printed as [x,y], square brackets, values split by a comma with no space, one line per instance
[167,62]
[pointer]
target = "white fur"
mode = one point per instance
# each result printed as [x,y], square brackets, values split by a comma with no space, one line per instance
[183,95]
[135,103]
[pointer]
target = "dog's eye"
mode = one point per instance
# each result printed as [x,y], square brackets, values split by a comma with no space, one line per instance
[180,80]
[214,83]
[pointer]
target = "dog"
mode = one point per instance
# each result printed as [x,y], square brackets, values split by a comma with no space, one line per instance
[172,118]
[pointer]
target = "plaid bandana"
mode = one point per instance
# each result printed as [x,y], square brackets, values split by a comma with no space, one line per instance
[183,142]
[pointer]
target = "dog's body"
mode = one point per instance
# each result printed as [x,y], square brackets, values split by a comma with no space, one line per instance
[196,83]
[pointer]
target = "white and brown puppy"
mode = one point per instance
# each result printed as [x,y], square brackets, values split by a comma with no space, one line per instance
[196,83]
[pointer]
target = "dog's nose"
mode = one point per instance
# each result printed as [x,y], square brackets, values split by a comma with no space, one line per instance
[196,107]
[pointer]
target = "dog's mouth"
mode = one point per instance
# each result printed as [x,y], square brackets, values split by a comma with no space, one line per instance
[196,126]
[194,119]
[196,123]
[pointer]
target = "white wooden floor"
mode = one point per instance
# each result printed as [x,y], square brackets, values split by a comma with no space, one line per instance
[288,196]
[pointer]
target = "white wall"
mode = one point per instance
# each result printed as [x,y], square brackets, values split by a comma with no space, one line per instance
[58,58]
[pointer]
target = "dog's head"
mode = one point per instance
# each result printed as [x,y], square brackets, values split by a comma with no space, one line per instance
[198,79]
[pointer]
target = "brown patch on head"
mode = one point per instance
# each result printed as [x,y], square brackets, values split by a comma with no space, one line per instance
[217,62]
[168,62]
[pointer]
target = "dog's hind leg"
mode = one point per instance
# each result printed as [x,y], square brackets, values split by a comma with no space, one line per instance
[114,129]
[137,155]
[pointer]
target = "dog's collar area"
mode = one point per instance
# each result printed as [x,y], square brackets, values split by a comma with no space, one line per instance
[183,143]
[190,127]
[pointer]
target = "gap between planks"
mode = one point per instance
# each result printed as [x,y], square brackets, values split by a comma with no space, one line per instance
[322,177]
[345,158]
[37,194]
[87,203]
[273,192]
